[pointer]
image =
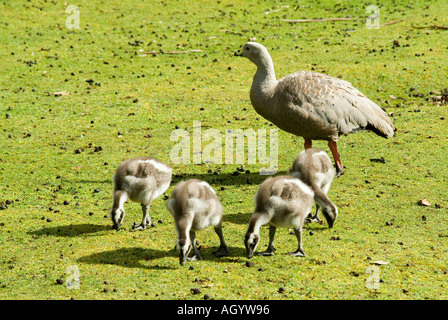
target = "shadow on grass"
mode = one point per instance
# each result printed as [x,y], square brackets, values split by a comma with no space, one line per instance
[106,181]
[237,218]
[244,218]
[226,179]
[235,254]
[316,226]
[129,257]
[136,257]
[73,230]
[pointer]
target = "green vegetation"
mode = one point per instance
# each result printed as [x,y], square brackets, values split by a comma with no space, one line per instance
[58,152]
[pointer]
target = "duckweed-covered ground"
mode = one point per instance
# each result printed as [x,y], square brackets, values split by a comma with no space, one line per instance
[74,103]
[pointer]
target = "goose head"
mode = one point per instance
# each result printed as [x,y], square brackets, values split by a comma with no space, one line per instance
[184,248]
[117,215]
[251,241]
[253,51]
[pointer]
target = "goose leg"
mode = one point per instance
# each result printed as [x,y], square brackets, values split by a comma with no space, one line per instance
[335,153]
[299,252]
[196,254]
[146,221]
[270,250]
[315,217]
[222,250]
[308,143]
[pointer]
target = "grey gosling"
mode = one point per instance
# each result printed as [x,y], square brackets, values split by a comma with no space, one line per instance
[314,168]
[281,202]
[195,206]
[141,179]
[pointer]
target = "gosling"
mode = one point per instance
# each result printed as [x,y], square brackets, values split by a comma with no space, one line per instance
[141,179]
[195,206]
[281,202]
[314,168]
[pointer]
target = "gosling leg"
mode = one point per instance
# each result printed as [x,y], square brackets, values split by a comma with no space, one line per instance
[299,252]
[270,250]
[146,221]
[222,250]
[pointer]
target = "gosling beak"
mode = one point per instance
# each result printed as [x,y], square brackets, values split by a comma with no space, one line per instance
[237,54]
[182,258]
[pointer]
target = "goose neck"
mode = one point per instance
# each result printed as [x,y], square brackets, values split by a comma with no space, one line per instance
[120,197]
[264,78]
[263,86]
[265,67]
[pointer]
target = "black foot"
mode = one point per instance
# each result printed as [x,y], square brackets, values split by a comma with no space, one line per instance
[138,227]
[221,252]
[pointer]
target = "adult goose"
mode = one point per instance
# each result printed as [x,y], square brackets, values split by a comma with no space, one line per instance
[312,105]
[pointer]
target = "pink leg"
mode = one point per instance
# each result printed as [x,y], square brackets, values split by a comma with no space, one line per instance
[308,143]
[337,160]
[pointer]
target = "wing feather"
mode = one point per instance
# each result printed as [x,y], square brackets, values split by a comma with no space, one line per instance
[322,105]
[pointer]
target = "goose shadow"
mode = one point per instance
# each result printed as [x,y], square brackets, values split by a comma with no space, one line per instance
[244,218]
[104,181]
[237,218]
[315,226]
[137,256]
[129,257]
[226,179]
[235,178]
[72,230]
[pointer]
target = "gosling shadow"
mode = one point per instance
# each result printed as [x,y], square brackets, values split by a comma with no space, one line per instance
[244,218]
[72,230]
[237,218]
[315,226]
[130,257]
[235,255]
[226,179]
[138,257]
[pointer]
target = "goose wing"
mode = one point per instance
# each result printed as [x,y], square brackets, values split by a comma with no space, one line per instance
[328,106]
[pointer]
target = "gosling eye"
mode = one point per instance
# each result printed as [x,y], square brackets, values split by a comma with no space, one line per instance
[247,48]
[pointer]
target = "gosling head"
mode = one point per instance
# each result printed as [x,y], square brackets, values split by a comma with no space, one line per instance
[117,216]
[184,248]
[251,241]
[330,214]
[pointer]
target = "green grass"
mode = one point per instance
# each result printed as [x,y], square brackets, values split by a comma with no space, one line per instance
[379,218]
